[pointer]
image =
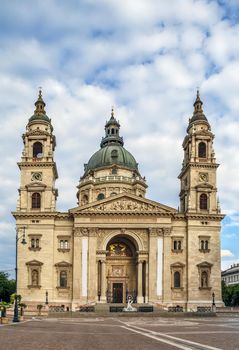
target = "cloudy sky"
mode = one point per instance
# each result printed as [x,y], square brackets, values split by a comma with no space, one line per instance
[145,57]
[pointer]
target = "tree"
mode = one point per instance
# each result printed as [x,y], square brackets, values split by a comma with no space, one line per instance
[7,287]
[230,294]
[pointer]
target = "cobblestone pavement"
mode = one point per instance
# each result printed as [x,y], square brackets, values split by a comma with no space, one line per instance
[122,333]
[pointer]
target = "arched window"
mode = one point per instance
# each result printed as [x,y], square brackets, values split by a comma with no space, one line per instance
[179,245]
[100,196]
[177,282]
[84,199]
[63,279]
[114,153]
[32,243]
[202,245]
[36,200]
[114,171]
[206,245]
[37,150]
[35,278]
[202,150]
[204,279]
[175,245]
[37,243]
[203,201]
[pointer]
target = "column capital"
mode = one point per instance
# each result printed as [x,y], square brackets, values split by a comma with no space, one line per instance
[93,232]
[167,231]
[141,261]
[81,232]
[156,231]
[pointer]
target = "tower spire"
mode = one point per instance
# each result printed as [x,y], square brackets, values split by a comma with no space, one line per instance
[198,104]
[198,114]
[40,104]
[112,113]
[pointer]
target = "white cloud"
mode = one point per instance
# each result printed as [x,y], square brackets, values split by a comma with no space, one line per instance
[147,60]
[223,45]
[230,235]
[226,253]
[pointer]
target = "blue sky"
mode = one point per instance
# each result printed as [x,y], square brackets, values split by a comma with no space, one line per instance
[145,57]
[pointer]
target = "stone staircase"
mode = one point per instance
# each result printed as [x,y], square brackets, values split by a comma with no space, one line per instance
[111,309]
[103,310]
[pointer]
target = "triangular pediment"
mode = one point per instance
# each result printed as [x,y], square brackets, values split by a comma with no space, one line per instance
[35,185]
[127,203]
[34,263]
[204,264]
[63,264]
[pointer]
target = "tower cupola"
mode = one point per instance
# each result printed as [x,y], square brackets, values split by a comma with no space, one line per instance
[112,132]
[40,113]
[198,114]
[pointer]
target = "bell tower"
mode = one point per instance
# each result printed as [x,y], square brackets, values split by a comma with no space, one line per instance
[37,190]
[198,175]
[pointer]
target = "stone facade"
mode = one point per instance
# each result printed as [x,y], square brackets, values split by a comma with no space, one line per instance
[116,242]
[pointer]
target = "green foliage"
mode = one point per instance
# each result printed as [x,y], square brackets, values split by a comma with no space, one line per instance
[3,308]
[7,287]
[230,294]
[13,296]
[22,307]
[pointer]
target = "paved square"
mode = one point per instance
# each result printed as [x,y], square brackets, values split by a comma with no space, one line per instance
[122,333]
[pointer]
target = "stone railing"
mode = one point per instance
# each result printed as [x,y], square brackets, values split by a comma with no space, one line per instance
[112,178]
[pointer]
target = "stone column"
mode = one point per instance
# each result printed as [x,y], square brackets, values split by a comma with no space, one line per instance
[103,281]
[159,266]
[92,271]
[146,281]
[76,275]
[140,298]
[152,264]
[84,264]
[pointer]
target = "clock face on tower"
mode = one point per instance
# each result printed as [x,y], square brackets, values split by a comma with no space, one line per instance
[203,177]
[36,176]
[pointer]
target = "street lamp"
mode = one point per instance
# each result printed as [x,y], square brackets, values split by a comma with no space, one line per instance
[23,241]
[46,297]
[213,300]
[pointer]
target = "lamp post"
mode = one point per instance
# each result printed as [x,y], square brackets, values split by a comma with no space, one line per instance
[213,301]
[23,241]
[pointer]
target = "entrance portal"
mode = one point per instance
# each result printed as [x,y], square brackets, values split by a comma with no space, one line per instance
[121,270]
[117,292]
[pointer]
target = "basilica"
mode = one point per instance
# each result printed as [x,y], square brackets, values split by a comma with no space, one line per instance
[116,242]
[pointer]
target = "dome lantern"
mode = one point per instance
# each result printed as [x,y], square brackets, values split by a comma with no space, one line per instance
[112,132]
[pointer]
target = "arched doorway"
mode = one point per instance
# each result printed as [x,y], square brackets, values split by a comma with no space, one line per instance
[121,269]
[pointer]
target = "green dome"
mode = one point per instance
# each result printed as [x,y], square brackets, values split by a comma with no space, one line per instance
[112,154]
[40,117]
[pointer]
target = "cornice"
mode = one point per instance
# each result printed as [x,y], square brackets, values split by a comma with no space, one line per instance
[39,164]
[121,213]
[200,165]
[34,215]
[216,217]
[36,133]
